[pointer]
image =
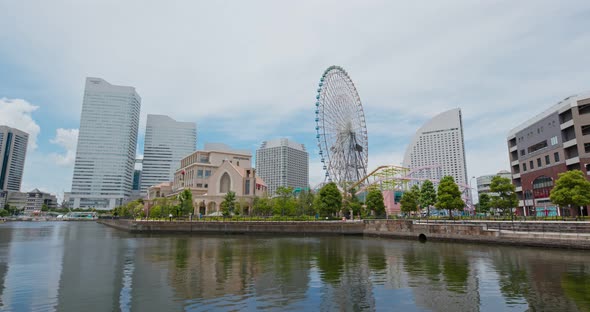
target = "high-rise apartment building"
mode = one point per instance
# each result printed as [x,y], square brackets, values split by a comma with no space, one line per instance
[13,150]
[105,157]
[438,149]
[167,141]
[282,162]
[552,142]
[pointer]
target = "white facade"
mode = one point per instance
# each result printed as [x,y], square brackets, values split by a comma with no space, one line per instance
[282,162]
[167,141]
[440,143]
[13,151]
[484,182]
[105,156]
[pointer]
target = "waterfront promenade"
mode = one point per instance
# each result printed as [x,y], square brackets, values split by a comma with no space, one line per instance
[564,234]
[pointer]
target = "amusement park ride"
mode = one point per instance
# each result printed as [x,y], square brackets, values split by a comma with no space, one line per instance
[341,134]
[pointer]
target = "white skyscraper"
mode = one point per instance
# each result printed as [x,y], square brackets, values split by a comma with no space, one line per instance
[439,144]
[281,162]
[167,141]
[105,157]
[13,150]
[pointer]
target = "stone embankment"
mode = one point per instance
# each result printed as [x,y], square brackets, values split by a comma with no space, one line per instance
[541,234]
[239,227]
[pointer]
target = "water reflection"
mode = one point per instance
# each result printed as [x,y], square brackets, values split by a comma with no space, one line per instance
[85,266]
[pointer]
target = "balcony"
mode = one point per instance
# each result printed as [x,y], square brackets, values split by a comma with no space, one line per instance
[521,203]
[514,148]
[516,176]
[519,189]
[567,124]
[571,142]
[514,163]
[572,161]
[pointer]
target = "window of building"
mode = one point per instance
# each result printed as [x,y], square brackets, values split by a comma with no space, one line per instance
[224,183]
[200,173]
[585,129]
[556,156]
[584,109]
[524,167]
[542,187]
[207,173]
[587,147]
[539,164]
[547,160]
[521,152]
[532,165]
[554,141]
[538,146]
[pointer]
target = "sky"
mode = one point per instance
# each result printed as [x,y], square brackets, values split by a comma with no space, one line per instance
[247,71]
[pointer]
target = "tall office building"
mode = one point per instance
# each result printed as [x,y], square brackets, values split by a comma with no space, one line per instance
[439,145]
[13,150]
[282,162]
[542,147]
[167,141]
[105,157]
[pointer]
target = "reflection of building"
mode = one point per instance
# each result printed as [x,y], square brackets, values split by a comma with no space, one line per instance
[282,162]
[13,149]
[210,174]
[32,201]
[552,142]
[105,156]
[166,142]
[439,143]
[484,182]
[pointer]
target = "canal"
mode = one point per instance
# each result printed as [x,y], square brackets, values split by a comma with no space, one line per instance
[84,266]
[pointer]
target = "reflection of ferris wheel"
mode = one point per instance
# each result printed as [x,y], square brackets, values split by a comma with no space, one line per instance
[340,128]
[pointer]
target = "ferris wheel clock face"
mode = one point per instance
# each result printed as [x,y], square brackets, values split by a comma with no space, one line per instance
[341,130]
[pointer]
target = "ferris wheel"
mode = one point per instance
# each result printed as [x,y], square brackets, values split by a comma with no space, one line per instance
[341,129]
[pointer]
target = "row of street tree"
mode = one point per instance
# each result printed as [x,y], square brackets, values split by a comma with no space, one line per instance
[571,189]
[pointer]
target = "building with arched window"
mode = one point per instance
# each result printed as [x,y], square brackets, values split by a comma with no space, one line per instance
[210,174]
[552,142]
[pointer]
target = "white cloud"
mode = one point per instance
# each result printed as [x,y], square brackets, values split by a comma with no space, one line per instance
[17,113]
[67,139]
[254,74]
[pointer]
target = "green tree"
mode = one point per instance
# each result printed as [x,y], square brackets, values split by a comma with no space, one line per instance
[409,201]
[329,200]
[375,201]
[228,204]
[505,194]
[483,206]
[352,204]
[262,206]
[156,212]
[427,196]
[305,202]
[571,189]
[449,196]
[186,202]
[44,207]
[284,195]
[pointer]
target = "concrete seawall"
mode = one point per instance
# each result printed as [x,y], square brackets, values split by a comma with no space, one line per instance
[474,232]
[241,227]
[482,233]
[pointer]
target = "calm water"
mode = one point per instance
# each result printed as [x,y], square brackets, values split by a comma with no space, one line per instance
[75,266]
